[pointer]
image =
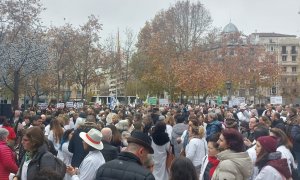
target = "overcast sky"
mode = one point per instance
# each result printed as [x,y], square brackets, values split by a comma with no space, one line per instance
[248,15]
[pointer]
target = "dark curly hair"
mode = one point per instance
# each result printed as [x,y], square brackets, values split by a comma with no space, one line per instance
[182,168]
[234,139]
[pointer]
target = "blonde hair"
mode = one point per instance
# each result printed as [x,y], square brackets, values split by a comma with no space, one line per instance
[198,131]
[170,120]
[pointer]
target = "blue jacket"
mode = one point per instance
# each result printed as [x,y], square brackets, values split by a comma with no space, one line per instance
[212,128]
[295,133]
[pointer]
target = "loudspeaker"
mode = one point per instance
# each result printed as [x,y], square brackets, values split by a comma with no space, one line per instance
[5,110]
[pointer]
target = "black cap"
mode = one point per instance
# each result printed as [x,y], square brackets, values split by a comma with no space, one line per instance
[142,139]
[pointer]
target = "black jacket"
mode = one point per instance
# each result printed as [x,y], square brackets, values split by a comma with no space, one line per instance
[278,124]
[76,146]
[109,151]
[126,166]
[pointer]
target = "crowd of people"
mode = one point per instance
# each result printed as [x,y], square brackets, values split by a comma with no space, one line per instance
[176,142]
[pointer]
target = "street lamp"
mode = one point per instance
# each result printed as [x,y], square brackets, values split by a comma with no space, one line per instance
[228,84]
[273,90]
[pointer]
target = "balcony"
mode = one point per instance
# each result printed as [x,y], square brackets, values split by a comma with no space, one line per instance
[286,63]
[289,73]
[284,52]
[294,52]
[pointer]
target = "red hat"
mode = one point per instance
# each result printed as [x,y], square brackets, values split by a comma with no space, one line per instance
[269,143]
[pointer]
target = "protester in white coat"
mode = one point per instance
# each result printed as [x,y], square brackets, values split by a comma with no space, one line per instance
[284,147]
[90,164]
[196,149]
[160,144]
[210,161]
[258,132]
[269,162]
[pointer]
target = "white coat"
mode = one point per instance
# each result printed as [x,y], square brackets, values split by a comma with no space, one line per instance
[269,173]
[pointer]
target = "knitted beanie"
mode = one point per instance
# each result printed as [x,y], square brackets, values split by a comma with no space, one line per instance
[269,143]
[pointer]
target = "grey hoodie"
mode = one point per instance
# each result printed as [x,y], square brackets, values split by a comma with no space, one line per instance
[177,132]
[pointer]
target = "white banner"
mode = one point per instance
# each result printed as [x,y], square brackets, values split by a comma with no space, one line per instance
[60,105]
[163,102]
[78,105]
[42,105]
[276,100]
[69,104]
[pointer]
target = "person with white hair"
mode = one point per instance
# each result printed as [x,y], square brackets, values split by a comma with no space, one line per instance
[7,162]
[243,114]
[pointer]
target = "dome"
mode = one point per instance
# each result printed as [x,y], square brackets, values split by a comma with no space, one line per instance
[230,28]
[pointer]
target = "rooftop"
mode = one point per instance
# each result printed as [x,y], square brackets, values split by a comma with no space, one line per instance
[273,35]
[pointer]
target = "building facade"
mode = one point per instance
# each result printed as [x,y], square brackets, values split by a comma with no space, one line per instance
[286,49]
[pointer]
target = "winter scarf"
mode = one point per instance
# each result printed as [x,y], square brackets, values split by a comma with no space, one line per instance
[214,163]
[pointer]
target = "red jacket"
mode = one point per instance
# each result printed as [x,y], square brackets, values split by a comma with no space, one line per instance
[7,161]
[11,132]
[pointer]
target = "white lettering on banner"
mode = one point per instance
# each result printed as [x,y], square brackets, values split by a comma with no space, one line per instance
[60,105]
[42,105]
[69,104]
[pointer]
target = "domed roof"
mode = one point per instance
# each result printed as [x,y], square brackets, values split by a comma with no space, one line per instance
[230,28]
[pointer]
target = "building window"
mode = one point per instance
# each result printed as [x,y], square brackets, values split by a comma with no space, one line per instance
[286,80]
[283,58]
[283,50]
[284,69]
[294,69]
[271,41]
[293,50]
[294,58]
[272,48]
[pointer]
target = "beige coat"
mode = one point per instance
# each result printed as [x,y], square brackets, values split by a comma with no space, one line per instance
[233,166]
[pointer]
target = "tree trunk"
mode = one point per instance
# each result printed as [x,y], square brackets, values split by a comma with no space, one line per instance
[204,97]
[58,87]
[82,92]
[37,91]
[16,90]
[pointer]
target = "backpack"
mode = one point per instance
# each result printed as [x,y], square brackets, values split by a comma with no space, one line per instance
[59,167]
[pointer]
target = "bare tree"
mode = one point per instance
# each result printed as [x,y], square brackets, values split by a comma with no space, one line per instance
[23,50]
[20,59]
[61,40]
[85,54]
[128,50]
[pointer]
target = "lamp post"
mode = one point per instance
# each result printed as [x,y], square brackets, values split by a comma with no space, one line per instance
[228,84]
[273,90]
